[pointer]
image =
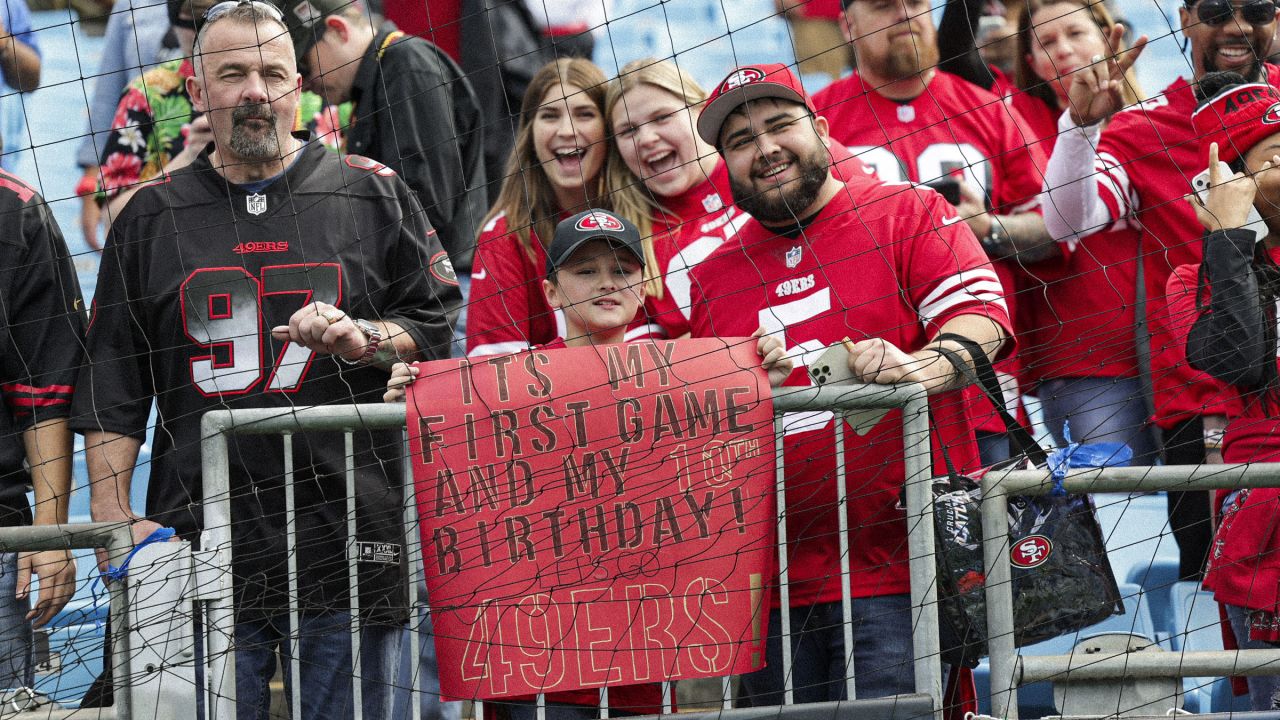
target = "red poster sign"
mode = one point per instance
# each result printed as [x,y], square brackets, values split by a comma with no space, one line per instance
[595,516]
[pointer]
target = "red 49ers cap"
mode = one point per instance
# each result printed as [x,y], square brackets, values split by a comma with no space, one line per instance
[1237,118]
[749,82]
[573,232]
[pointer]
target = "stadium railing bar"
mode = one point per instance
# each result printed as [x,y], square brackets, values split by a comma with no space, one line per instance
[1008,669]
[117,539]
[218,424]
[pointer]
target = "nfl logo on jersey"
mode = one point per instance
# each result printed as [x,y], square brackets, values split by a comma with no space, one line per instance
[256,203]
[794,255]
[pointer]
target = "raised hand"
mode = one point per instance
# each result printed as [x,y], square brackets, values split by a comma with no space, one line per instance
[1230,195]
[1094,92]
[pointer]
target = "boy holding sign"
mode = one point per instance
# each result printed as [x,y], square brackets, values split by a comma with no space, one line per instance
[595,269]
[594,276]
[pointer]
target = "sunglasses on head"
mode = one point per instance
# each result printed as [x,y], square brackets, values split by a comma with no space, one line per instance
[263,8]
[1216,13]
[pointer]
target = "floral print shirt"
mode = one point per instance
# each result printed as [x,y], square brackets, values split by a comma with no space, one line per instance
[151,124]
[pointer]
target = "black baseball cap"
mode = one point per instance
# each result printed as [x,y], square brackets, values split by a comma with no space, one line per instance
[305,19]
[584,227]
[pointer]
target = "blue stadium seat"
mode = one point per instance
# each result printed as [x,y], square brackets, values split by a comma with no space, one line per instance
[1136,529]
[697,34]
[1198,628]
[1157,581]
[1036,699]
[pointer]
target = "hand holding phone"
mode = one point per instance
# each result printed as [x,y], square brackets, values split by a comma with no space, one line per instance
[832,368]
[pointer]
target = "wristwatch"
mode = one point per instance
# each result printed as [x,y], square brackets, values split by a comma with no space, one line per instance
[993,243]
[374,337]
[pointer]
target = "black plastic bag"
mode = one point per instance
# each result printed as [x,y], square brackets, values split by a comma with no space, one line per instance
[1061,576]
[1062,579]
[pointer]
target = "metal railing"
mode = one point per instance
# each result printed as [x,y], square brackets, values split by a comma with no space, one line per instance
[217,425]
[117,539]
[1009,669]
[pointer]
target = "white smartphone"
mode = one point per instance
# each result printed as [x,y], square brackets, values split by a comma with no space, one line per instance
[832,368]
[1200,185]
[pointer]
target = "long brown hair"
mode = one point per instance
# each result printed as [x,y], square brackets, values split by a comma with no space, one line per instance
[1025,77]
[527,198]
[630,198]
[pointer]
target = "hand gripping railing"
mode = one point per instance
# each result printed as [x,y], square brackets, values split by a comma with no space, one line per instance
[348,418]
[1009,670]
[117,539]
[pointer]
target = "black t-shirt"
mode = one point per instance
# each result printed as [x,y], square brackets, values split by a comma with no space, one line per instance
[416,112]
[42,321]
[195,274]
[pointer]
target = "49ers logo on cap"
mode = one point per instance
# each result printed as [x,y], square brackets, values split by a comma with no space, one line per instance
[745,76]
[1272,115]
[1031,551]
[599,221]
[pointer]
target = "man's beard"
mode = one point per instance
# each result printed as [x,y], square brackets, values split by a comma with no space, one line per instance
[784,203]
[247,144]
[906,58]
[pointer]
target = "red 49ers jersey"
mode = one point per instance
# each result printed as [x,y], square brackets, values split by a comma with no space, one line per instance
[696,224]
[952,128]
[878,261]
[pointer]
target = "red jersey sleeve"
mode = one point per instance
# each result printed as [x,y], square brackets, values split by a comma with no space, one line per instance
[1112,166]
[946,272]
[508,311]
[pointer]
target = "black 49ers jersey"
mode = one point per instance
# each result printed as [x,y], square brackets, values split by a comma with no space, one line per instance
[195,274]
[41,332]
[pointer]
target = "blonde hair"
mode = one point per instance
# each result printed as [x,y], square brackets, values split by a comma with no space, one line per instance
[630,198]
[527,197]
[1025,77]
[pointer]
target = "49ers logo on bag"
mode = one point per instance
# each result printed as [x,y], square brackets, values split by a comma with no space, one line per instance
[599,221]
[745,76]
[1031,551]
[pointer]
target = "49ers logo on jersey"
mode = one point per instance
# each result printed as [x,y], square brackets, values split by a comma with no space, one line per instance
[599,220]
[745,76]
[1272,115]
[1031,551]
[442,267]
[245,248]
[361,162]
[795,285]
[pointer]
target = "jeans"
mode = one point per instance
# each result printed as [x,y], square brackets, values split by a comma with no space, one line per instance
[325,651]
[992,447]
[1263,689]
[16,669]
[460,328]
[882,653]
[427,687]
[1099,410]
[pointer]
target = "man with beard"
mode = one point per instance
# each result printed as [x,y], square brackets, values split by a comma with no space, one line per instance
[236,282]
[1129,180]
[913,122]
[821,262]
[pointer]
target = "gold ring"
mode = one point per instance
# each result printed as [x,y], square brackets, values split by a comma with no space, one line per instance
[333,316]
